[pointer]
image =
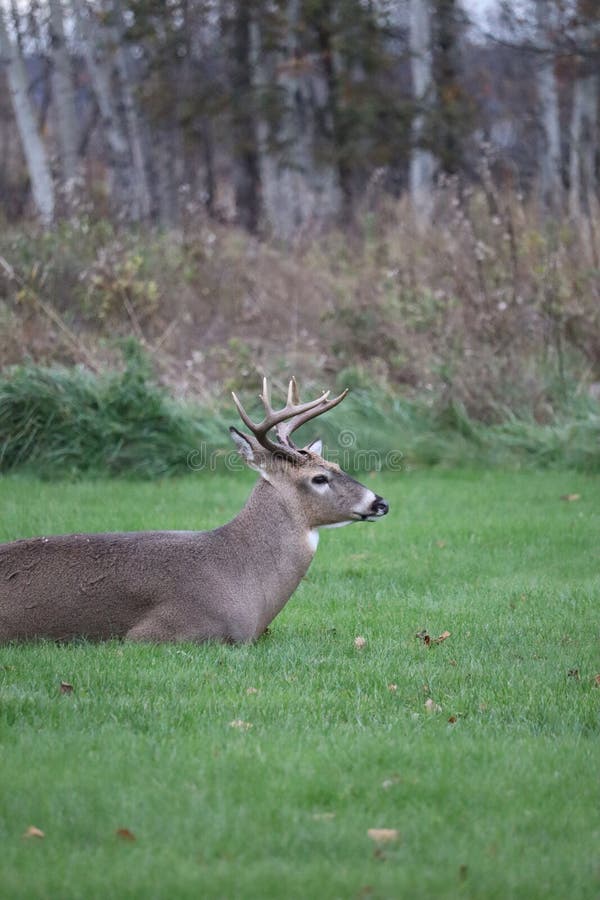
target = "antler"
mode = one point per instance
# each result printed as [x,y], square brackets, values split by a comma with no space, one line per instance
[286,420]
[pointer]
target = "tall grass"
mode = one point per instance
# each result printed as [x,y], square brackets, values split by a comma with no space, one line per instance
[60,421]
[67,421]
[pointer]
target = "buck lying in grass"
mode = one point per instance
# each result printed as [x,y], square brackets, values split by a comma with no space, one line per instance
[227,584]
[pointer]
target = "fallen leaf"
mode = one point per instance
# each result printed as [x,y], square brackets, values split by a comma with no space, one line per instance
[323,816]
[66,688]
[33,832]
[440,544]
[252,690]
[431,706]
[597,680]
[125,834]
[452,662]
[239,723]
[428,640]
[392,688]
[452,720]
[360,642]
[571,498]
[384,835]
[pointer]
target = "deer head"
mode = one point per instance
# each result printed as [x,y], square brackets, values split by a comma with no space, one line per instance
[318,490]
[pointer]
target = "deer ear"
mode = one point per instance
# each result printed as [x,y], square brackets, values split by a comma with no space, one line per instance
[245,447]
[315,447]
[252,454]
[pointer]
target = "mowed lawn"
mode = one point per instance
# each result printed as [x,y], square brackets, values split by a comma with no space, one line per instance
[482,752]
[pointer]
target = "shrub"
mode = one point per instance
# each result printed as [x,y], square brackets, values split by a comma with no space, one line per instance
[60,421]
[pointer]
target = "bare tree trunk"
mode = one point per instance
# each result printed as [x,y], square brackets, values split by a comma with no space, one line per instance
[35,153]
[583,144]
[246,174]
[422,162]
[95,45]
[63,95]
[136,127]
[550,180]
[298,188]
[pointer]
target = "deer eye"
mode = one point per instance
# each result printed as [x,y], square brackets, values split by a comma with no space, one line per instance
[320,479]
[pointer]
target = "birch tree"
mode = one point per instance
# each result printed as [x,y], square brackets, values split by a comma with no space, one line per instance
[422,162]
[97,45]
[549,151]
[38,166]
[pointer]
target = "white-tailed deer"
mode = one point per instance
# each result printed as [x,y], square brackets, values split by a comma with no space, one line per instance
[227,584]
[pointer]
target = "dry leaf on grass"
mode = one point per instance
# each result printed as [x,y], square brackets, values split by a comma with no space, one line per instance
[33,832]
[384,835]
[571,498]
[252,690]
[431,706]
[66,688]
[125,834]
[597,680]
[323,816]
[392,688]
[239,723]
[428,640]
[360,642]
[452,720]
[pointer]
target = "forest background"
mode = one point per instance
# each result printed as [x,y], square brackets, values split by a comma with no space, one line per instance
[401,197]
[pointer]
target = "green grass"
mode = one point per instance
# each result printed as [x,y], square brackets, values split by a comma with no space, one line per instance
[504,803]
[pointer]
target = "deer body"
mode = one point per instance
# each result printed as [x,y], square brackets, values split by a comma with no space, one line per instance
[227,584]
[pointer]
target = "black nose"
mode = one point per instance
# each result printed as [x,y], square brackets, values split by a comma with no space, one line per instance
[380,506]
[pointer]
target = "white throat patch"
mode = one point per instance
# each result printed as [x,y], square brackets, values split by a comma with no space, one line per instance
[313,539]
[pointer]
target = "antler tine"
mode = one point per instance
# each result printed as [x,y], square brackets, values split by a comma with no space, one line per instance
[286,420]
[293,397]
[285,429]
[266,395]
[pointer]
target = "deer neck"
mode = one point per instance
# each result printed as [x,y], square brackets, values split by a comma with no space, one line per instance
[273,522]
[278,548]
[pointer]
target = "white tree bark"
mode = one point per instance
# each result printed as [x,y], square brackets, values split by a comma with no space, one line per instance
[63,96]
[97,46]
[422,162]
[36,158]
[583,144]
[549,161]
[299,189]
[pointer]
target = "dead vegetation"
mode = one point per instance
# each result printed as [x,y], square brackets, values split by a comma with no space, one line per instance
[492,307]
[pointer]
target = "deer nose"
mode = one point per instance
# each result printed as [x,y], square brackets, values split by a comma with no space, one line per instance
[379,506]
